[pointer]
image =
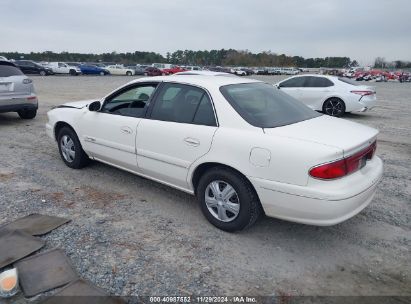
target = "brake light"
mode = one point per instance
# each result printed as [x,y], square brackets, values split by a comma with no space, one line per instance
[31,98]
[363,93]
[344,166]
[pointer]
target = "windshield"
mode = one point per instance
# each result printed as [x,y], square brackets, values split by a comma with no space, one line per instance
[262,105]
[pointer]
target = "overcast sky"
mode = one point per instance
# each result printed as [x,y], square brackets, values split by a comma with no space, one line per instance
[360,29]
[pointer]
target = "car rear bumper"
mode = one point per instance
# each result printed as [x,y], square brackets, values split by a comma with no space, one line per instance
[17,104]
[327,205]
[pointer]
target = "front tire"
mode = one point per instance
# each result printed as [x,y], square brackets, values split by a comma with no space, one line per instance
[27,114]
[73,73]
[128,73]
[70,149]
[228,200]
[42,73]
[334,107]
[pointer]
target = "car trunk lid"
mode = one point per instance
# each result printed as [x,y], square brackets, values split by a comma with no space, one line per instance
[14,85]
[329,131]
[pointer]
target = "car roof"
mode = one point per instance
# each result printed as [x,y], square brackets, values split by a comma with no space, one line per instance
[313,75]
[4,62]
[199,80]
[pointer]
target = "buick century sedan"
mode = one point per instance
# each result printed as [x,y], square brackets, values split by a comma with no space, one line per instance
[242,146]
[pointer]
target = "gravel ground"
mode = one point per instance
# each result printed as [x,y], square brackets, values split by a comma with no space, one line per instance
[132,236]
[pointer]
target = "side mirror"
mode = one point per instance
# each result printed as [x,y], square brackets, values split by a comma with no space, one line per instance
[278,86]
[94,106]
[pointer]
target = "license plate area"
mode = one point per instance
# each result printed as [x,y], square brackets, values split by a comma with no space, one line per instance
[6,86]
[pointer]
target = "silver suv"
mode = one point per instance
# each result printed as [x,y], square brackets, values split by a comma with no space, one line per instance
[16,91]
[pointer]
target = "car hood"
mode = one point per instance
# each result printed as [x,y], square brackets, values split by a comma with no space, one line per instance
[330,131]
[77,104]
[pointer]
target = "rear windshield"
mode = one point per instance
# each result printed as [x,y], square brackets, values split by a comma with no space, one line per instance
[8,70]
[263,105]
[348,80]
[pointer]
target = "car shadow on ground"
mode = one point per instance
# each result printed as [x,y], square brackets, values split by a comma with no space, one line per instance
[266,228]
[10,118]
[363,116]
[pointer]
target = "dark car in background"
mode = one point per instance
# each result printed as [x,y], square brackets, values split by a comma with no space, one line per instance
[31,67]
[138,69]
[88,69]
[152,71]
[16,91]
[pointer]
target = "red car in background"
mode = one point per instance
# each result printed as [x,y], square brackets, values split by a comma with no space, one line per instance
[174,69]
[152,71]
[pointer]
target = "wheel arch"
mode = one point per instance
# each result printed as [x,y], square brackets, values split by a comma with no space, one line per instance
[59,125]
[202,168]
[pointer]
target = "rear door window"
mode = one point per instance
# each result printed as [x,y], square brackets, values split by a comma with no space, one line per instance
[317,82]
[296,82]
[8,70]
[183,104]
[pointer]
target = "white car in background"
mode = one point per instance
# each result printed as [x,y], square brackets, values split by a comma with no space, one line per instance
[242,146]
[118,69]
[330,94]
[290,71]
[63,68]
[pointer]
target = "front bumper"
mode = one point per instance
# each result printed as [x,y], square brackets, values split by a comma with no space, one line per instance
[331,203]
[50,131]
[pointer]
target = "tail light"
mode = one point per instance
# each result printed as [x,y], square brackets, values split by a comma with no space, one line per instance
[344,166]
[363,92]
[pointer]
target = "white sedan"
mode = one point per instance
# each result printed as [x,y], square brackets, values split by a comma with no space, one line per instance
[332,95]
[119,70]
[242,146]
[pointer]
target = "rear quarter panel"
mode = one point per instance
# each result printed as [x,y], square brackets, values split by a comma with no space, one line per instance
[289,160]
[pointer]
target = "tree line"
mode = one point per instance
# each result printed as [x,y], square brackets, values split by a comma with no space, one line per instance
[381,63]
[223,57]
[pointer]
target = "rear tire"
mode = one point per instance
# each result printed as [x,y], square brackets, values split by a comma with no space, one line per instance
[334,107]
[240,209]
[42,73]
[70,149]
[27,114]
[101,73]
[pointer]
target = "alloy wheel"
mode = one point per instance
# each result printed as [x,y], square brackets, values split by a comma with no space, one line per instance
[334,107]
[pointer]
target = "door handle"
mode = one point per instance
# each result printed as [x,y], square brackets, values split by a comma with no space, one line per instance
[192,141]
[126,130]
